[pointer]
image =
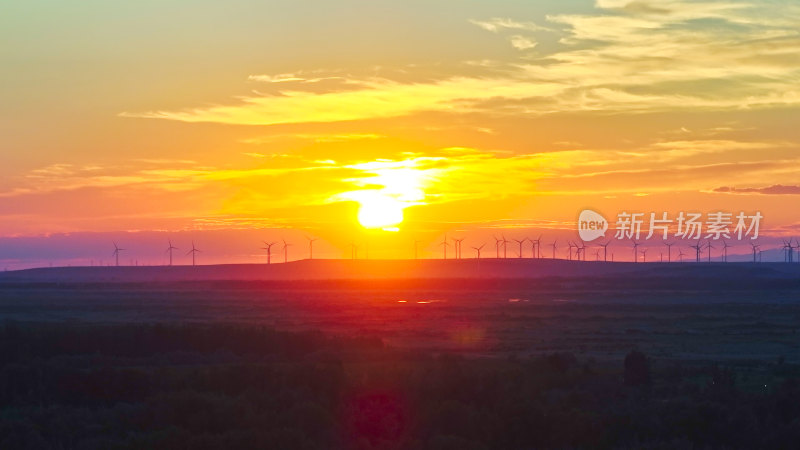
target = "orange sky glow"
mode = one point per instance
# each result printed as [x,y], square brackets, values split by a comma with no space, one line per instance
[379,124]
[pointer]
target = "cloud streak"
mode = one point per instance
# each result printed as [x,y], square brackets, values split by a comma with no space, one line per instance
[635,56]
[776,189]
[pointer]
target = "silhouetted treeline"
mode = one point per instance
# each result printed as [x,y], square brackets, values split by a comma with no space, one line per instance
[204,386]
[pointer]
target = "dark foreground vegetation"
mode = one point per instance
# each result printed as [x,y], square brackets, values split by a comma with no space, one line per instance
[213,386]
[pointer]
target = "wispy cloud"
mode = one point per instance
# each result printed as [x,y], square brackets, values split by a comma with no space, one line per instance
[497,24]
[776,189]
[290,78]
[522,42]
[628,56]
[316,137]
[381,98]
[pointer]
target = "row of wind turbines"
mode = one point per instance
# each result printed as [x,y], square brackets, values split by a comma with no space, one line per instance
[501,246]
[788,247]
[118,250]
[268,247]
[285,247]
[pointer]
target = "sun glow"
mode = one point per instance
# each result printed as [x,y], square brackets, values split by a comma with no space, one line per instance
[388,187]
[382,211]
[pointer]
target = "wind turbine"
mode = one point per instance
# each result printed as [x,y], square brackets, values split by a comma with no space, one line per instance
[755,248]
[505,247]
[286,246]
[268,248]
[444,245]
[578,250]
[698,248]
[582,251]
[669,250]
[644,254]
[597,255]
[680,254]
[537,246]
[554,248]
[520,242]
[458,247]
[709,247]
[635,250]
[169,250]
[797,246]
[569,244]
[497,246]
[353,251]
[788,251]
[193,251]
[478,250]
[311,247]
[116,252]
[605,250]
[725,250]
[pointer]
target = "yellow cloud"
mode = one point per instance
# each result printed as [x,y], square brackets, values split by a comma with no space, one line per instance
[631,56]
[378,98]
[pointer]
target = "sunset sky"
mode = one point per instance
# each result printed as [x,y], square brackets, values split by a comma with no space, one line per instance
[234,122]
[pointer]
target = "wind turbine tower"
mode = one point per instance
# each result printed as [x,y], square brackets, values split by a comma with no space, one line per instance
[444,245]
[268,248]
[698,248]
[169,250]
[457,245]
[311,247]
[788,251]
[669,250]
[635,250]
[520,242]
[286,246]
[116,253]
[605,250]
[193,251]
[755,249]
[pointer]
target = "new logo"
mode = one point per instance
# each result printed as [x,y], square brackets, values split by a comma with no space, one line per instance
[591,225]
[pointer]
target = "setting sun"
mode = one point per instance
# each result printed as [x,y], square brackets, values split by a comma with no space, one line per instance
[386,188]
[380,212]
